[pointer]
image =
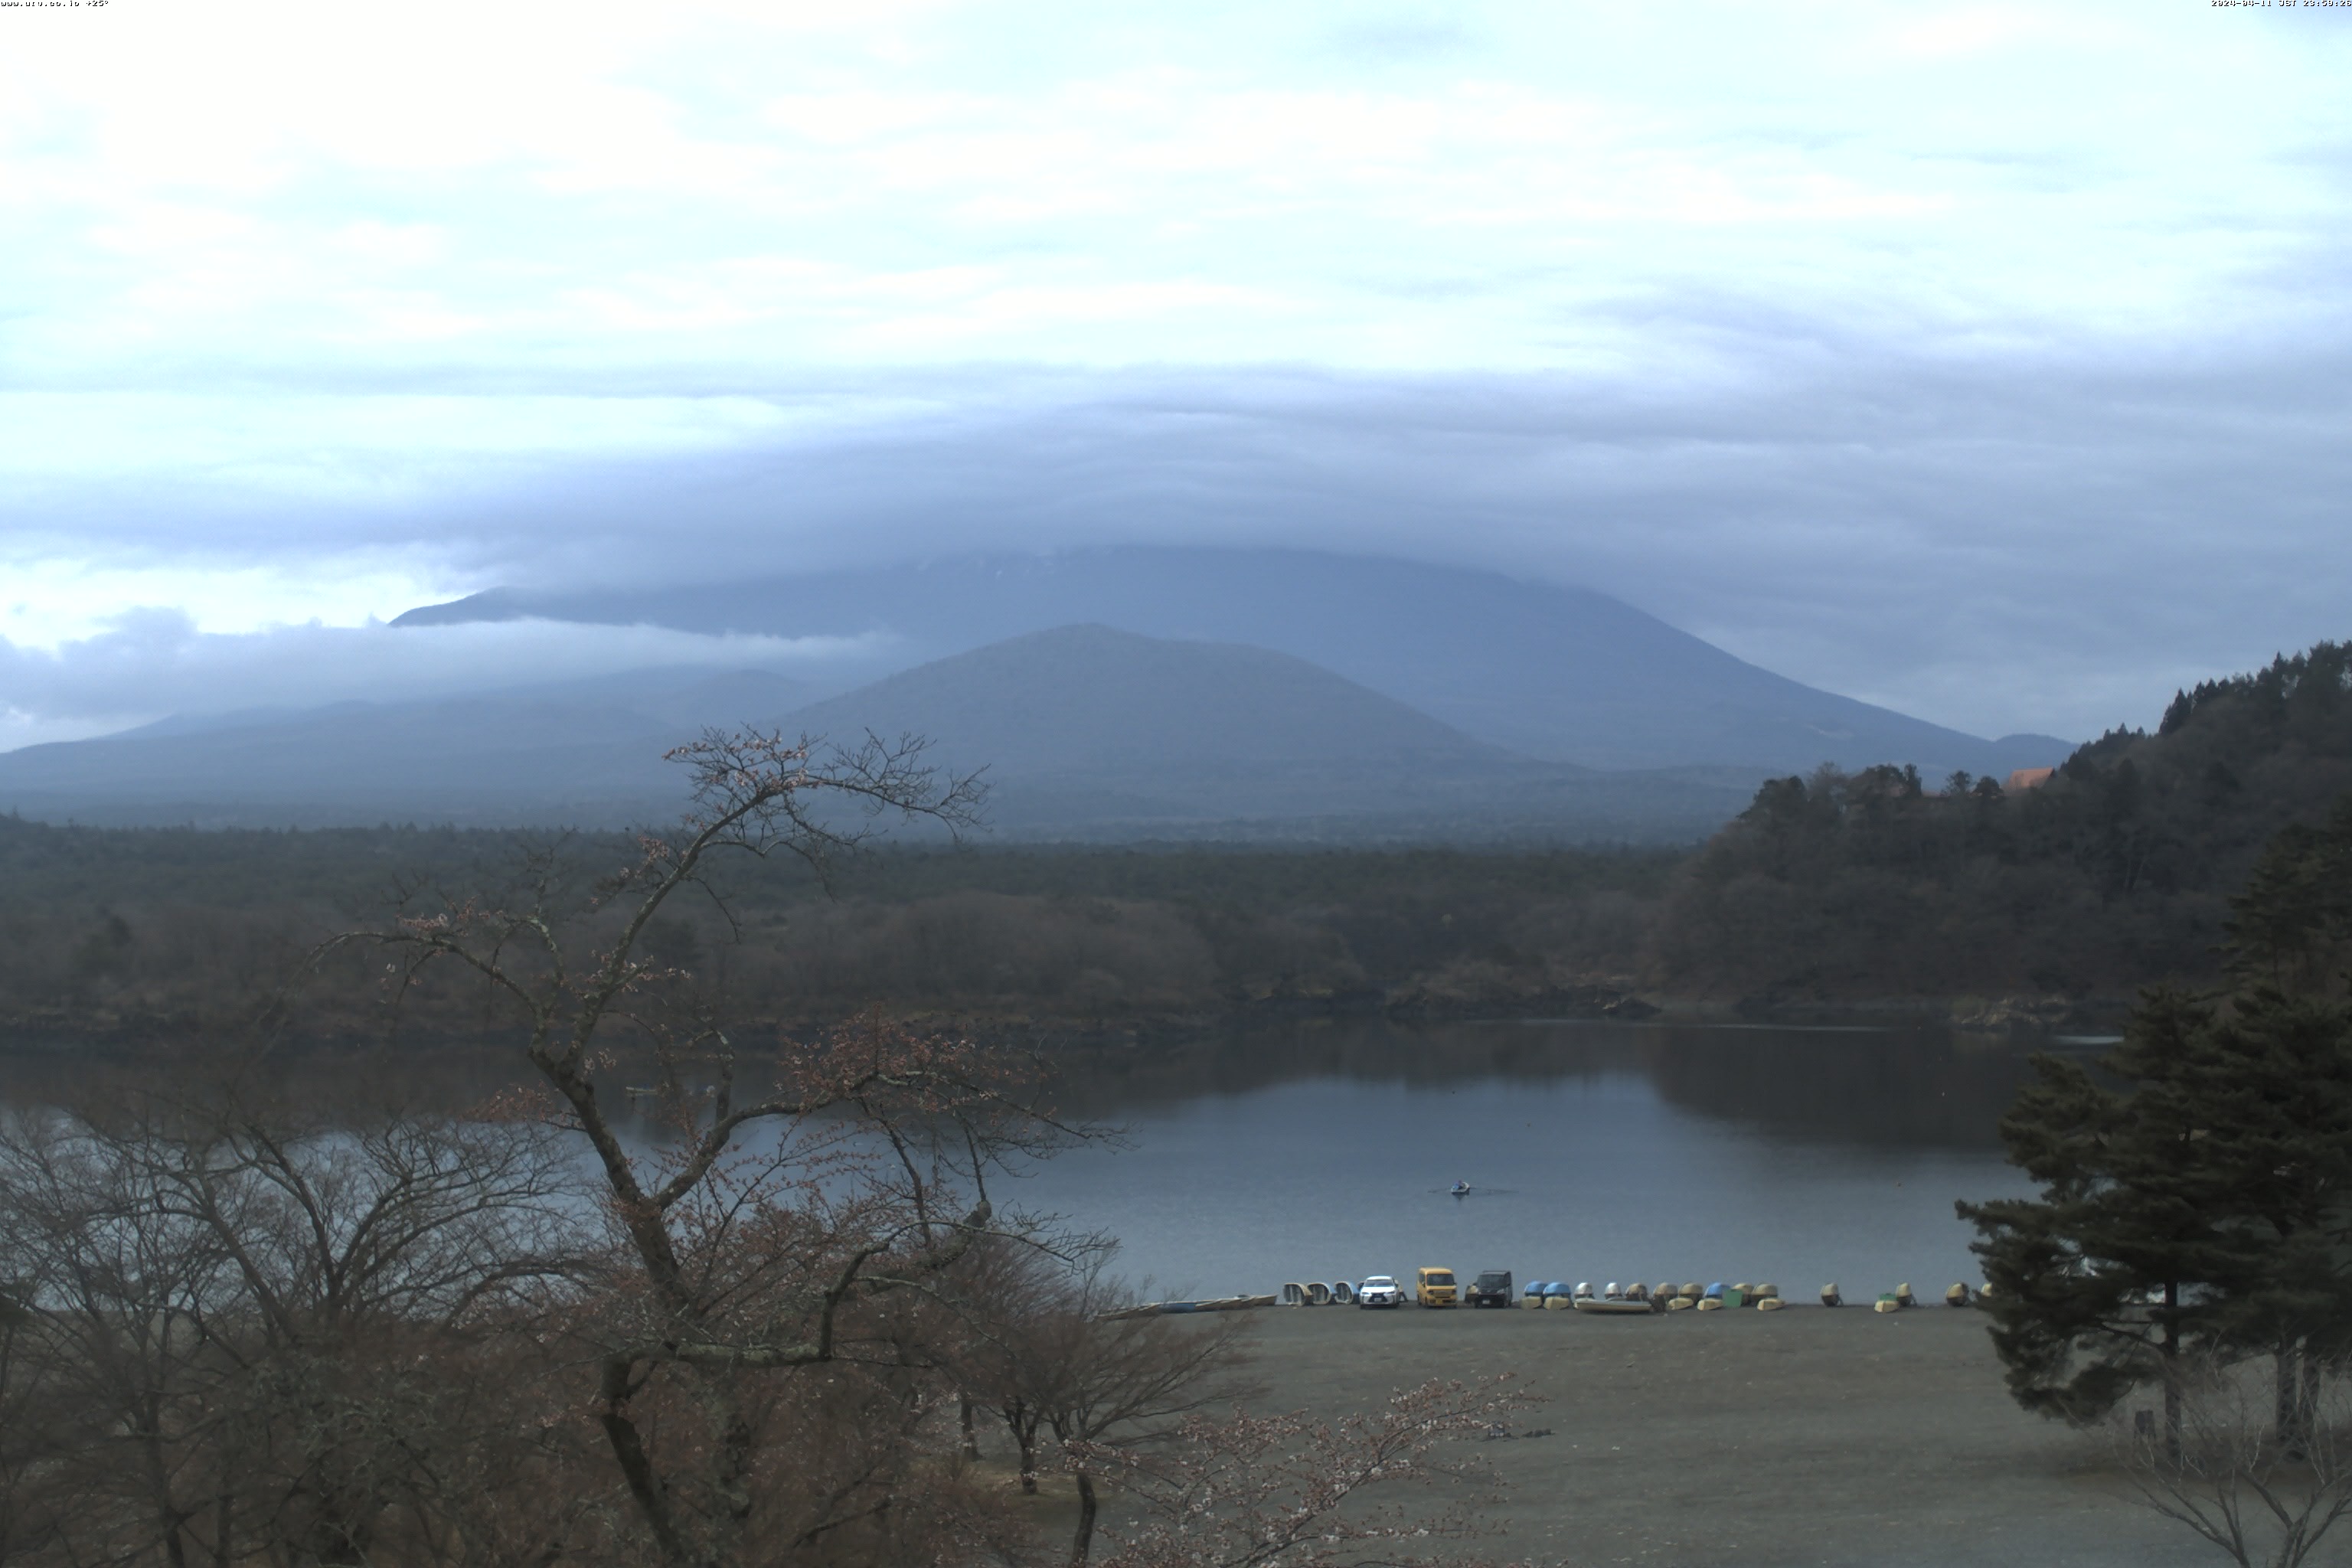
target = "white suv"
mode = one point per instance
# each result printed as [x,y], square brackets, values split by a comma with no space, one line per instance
[1379,1290]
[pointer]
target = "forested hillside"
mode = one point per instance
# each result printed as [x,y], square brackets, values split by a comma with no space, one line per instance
[135,931]
[2112,874]
[1828,891]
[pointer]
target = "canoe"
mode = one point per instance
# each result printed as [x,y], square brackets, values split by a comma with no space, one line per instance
[1610,1304]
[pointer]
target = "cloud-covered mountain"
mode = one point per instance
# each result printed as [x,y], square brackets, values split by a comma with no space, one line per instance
[1084,731]
[1556,673]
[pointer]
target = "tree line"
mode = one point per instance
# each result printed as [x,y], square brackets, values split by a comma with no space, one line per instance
[2115,874]
[1829,889]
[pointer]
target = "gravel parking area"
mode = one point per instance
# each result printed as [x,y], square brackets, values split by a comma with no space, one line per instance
[1808,1436]
[1736,1437]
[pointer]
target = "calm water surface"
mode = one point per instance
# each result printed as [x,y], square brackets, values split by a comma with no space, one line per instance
[1598,1151]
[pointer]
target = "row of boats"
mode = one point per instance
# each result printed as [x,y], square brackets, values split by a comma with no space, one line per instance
[1558,1295]
[1555,1295]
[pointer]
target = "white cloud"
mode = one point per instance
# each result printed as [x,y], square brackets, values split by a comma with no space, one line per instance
[154,662]
[323,312]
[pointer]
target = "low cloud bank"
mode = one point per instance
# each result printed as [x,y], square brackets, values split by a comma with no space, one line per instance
[155,663]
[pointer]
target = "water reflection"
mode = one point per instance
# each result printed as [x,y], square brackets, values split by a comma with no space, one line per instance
[1608,1150]
[1904,1088]
[1323,1150]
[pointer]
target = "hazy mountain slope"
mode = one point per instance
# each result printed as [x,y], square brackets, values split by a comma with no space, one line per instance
[1090,699]
[584,750]
[1553,672]
[1085,732]
[477,760]
[1090,731]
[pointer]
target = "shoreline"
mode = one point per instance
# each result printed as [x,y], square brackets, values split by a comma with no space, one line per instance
[55,1034]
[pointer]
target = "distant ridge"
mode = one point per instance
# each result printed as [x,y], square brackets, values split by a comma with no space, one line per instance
[1085,732]
[1090,699]
[1558,673]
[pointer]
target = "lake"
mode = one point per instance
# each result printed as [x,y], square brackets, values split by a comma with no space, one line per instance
[1596,1150]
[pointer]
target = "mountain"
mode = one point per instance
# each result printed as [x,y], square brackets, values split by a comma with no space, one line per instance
[1088,698]
[583,750]
[1088,729]
[476,760]
[1556,673]
[1084,731]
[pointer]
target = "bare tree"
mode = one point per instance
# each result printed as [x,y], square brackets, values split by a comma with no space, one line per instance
[27,1408]
[2260,1496]
[1062,1349]
[234,1328]
[765,1221]
[1245,1490]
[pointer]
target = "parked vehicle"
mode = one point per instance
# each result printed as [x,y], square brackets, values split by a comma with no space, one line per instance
[1379,1290]
[1492,1288]
[1435,1288]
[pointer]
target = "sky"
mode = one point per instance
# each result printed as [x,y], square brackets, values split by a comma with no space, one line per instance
[1990,363]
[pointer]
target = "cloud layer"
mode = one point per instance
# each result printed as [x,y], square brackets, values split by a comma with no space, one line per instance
[1989,362]
[155,663]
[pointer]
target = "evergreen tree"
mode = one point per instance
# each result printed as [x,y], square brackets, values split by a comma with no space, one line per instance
[2202,1197]
[2289,924]
[2115,1272]
[2278,1115]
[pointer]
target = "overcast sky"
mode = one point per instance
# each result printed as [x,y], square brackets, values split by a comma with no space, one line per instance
[1992,362]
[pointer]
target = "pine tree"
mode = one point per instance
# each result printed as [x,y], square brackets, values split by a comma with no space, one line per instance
[2276,1102]
[2201,1197]
[2106,1280]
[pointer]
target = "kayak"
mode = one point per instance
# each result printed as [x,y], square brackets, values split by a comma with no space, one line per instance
[1610,1304]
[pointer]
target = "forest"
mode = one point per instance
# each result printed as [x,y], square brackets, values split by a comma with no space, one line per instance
[1842,888]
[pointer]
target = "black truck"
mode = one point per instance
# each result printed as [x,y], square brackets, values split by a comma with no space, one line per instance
[1492,1288]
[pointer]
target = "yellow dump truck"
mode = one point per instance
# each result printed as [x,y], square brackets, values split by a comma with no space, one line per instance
[1435,1288]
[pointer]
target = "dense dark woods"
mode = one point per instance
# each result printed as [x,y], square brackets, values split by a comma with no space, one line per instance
[135,933]
[1835,888]
[2112,875]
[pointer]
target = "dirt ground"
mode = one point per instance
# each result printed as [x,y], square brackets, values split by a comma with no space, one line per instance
[1803,1437]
